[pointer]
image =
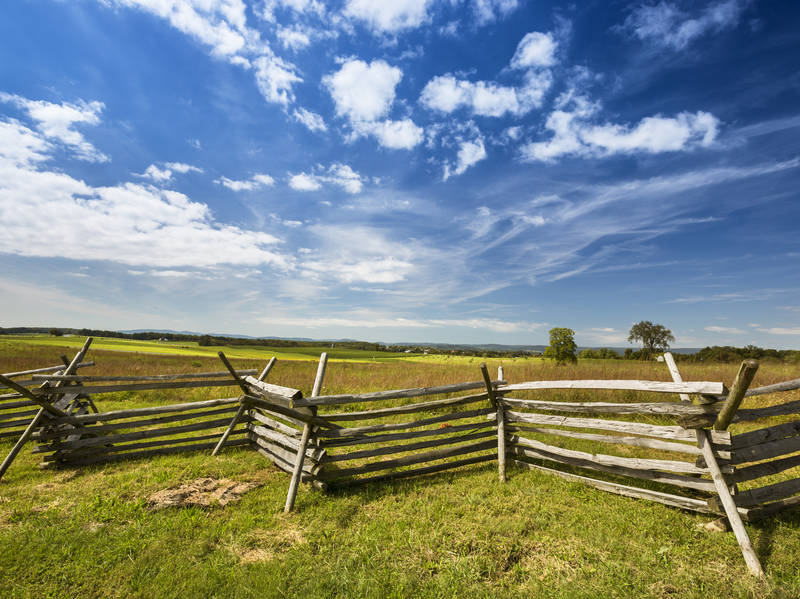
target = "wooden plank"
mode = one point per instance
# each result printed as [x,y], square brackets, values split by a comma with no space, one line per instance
[671,408]
[667,478]
[371,439]
[165,409]
[610,460]
[777,387]
[90,451]
[288,456]
[614,439]
[145,453]
[147,386]
[414,471]
[312,451]
[704,441]
[329,400]
[676,375]
[768,509]
[765,451]
[694,387]
[762,435]
[744,377]
[81,378]
[407,409]
[649,430]
[772,492]
[362,430]
[16,419]
[13,405]
[268,390]
[391,449]
[12,375]
[301,414]
[686,503]
[236,417]
[275,424]
[765,469]
[136,435]
[284,465]
[417,458]
[46,435]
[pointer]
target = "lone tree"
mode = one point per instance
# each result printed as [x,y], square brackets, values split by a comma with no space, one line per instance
[562,346]
[654,337]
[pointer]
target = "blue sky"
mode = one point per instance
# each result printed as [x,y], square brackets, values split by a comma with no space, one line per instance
[412,170]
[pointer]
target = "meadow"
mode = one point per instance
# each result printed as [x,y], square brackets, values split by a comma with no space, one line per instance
[89,531]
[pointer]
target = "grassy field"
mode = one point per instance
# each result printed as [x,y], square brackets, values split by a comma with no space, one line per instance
[88,532]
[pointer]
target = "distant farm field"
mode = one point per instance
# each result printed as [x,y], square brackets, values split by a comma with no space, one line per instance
[89,532]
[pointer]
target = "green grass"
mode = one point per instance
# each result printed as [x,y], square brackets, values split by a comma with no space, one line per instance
[88,532]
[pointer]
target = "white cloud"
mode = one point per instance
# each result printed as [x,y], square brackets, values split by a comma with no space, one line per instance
[182,167]
[364,93]
[311,120]
[222,26]
[162,175]
[57,122]
[781,330]
[573,134]
[361,91]
[372,320]
[726,330]
[668,26]
[395,135]
[304,182]
[255,182]
[487,11]
[341,175]
[446,94]
[293,38]
[388,16]
[536,49]
[131,224]
[469,153]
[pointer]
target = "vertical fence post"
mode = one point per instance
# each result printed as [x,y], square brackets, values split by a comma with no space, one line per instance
[743,379]
[501,428]
[301,452]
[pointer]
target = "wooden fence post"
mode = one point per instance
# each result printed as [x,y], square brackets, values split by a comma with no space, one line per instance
[301,452]
[743,379]
[501,427]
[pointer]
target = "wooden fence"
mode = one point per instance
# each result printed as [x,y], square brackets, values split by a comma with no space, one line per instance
[679,453]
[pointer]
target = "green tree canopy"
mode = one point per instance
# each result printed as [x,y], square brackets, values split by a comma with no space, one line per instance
[562,346]
[654,337]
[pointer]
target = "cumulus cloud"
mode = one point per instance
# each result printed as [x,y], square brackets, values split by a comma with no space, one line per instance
[338,174]
[57,122]
[255,182]
[388,16]
[534,54]
[131,224]
[666,25]
[469,153]
[364,93]
[361,91]
[574,134]
[536,49]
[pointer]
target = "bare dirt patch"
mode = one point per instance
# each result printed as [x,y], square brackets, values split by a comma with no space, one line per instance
[201,492]
[266,545]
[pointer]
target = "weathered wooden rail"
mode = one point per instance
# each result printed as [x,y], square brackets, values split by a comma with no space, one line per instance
[678,453]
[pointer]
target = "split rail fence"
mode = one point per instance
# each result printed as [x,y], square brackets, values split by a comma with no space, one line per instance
[679,453]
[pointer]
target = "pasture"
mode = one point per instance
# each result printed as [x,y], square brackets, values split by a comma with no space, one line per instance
[89,531]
